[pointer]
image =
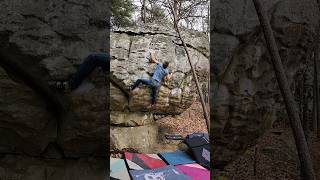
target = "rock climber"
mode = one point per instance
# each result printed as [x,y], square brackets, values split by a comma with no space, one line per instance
[91,62]
[161,73]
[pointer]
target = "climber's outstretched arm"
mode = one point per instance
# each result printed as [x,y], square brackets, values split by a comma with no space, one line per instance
[153,59]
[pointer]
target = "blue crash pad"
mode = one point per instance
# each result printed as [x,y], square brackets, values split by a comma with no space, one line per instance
[176,158]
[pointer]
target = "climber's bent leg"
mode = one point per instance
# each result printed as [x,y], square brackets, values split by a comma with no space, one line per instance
[143,81]
[102,60]
[90,63]
[154,92]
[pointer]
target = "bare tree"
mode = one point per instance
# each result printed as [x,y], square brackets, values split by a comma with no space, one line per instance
[301,144]
[205,112]
[189,13]
[192,14]
[143,11]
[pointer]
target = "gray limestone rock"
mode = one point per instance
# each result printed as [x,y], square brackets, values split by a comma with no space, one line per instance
[246,97]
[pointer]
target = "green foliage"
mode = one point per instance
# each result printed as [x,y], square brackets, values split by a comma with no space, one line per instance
[155,11]
[121,12]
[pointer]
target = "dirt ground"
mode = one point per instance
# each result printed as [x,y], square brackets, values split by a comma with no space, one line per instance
[315,153]
[190,121]
[274,157]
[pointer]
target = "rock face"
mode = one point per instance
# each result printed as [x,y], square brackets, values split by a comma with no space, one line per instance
[32,169]
[128,50]
[246,97]
[43,41]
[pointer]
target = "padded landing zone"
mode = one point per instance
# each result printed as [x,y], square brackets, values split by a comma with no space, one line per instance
[166,173]
[177,158]
[195,171]
[118,169]
[143,161]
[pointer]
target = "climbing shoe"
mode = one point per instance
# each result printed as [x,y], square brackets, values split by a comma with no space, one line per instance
[152,107]
[61,86]
[130,88]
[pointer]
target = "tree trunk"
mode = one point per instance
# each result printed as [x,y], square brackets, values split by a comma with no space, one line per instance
[208,27]
[143,11]
[307,95]
[316,59]
[316,122]
[255,161]
[205,112]
[316,92]
[175,12]
[301,144]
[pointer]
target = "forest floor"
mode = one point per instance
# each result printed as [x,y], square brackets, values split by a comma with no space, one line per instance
[315,152]
[190,121]
[273,157]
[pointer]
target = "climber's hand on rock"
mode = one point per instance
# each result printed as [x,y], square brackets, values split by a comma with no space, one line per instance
[168,77]
[153,58]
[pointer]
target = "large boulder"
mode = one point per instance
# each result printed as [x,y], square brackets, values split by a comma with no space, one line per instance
[25,125]
[44,41]
[128,50]
[130,119]
[246,96]
[140,138]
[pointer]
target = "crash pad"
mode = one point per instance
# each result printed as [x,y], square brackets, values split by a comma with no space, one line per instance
[177,157]
[138,161]
[199,145]
[165,173]
[195,171]
[118,169]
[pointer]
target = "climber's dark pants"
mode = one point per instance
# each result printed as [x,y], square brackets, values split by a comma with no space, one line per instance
[152,84]
[89,64]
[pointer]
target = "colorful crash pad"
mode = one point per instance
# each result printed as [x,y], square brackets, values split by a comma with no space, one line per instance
[195,171]
[118,169]
[177,157]
[143,161]
[165,173]
[199,145]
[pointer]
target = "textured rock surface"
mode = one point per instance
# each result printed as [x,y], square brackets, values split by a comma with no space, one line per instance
[31,169]
[128,48]
[130,118]
[246,98]
[52,38]
[140,138]
[20,131]
[43,41]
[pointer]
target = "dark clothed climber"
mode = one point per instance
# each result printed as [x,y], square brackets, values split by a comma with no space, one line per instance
[91,62]
[161,73]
